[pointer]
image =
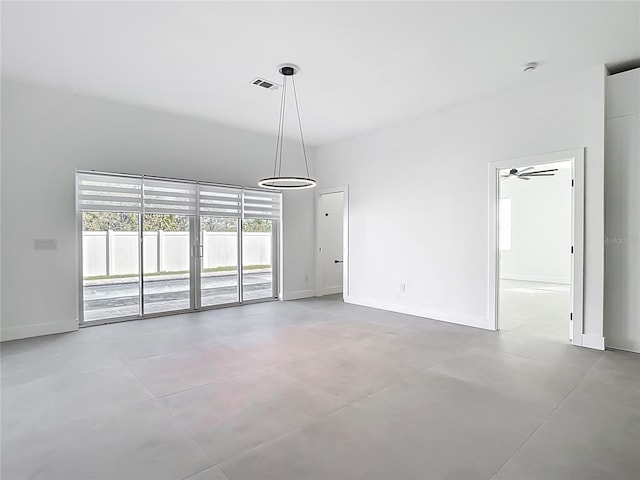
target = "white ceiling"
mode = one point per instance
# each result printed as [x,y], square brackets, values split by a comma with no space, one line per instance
[363,64]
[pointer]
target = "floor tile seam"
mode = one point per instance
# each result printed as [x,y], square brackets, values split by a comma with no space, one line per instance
[183,350]
[63,376]
[180,350]
[106,411]
[541,362]
[452,356]
[512,354]
[495,391]
[349,403]
[223,472]
[214,382]
[546,418]
[52,347]
[172,419]
[311,420]
[144,385]
[204,469]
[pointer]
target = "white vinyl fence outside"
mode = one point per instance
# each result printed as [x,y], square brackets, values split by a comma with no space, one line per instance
[116,253]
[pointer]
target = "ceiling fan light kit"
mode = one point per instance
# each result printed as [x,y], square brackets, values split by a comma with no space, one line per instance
[526,174]
[279,181]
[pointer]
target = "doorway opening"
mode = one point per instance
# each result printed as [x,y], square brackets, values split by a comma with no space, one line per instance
[332,242]
[536,245]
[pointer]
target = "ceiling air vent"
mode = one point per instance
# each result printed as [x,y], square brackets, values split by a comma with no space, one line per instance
[261,82]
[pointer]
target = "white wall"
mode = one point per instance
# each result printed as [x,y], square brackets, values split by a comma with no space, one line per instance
[540,228]
[47,134]
[622,224]
[419,196]
[330,225]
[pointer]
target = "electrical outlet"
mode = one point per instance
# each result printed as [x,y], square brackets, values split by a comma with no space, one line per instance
[403,287]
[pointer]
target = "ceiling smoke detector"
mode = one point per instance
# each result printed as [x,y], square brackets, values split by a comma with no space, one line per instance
[529,67]
[261,82]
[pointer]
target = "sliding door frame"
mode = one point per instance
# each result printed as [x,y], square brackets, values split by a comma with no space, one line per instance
[195,260]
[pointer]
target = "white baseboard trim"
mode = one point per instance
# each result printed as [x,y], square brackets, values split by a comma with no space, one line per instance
[332,290]
[593,341]
[434,314]
[36,330]
[297,294]
[631,349]
[535,278]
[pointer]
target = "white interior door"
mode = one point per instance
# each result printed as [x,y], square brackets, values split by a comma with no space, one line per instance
[330,241]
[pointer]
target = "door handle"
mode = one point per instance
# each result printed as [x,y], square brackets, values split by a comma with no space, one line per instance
[201,252]
[338,261]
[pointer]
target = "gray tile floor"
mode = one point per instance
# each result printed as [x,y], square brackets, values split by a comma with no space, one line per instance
[315,389]
[535,308]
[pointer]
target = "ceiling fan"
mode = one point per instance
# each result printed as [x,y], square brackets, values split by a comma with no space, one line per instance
[526,173]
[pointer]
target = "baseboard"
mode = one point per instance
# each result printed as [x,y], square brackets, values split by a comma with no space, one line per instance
[434,314]
[632,349]
[297,294]
[332,290]
[624,344]
[535,278]
[36,330]
[593,341]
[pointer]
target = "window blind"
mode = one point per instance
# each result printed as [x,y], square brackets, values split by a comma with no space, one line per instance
[219,201]
[121,193]
[96,192]
[261,204]
[168,197]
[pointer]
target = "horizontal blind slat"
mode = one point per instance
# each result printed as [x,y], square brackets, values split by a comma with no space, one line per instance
[169,197]
[264,205]
[121,193]
[220,201]
[113,193]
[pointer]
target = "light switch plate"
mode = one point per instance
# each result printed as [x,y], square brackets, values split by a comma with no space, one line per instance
[45,244]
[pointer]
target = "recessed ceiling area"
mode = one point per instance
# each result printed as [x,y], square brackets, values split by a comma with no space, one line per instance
[363,64]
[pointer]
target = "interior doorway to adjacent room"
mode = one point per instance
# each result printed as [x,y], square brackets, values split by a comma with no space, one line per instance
[331,232]
[536,245]
[534,225]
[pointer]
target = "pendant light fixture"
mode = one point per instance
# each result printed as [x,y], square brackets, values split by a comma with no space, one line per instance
[279,181]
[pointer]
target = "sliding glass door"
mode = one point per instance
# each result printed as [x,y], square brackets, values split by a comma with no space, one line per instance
[260,227]
[110,265]
[218,261]
[166,280]
[257,259]
[156,246]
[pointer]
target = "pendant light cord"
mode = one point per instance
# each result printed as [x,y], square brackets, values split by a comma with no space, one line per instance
[277,166]
[304,150]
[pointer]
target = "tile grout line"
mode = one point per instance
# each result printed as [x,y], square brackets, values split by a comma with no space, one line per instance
[311,421]
[547,416]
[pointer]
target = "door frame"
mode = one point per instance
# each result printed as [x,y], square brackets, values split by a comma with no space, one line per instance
[576,157]
[345,239]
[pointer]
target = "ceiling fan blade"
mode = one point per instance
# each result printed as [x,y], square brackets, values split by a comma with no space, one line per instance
[523,177]
[538,175]
[505,176]
[520,172]
[545,171]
